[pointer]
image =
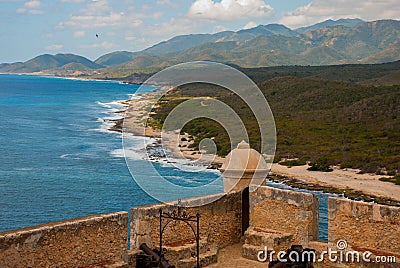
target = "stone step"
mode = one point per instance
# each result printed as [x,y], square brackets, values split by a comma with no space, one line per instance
[185,250]
[120,264]
[206,259]
[267,238]
[257,239]
[251,252]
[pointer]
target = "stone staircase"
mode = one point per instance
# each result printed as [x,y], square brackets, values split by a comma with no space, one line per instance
[184,255]
[256,239]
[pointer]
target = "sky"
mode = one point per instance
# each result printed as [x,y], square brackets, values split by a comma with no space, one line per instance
[29,28]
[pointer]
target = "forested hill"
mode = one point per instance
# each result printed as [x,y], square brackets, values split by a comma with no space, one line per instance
[344,123]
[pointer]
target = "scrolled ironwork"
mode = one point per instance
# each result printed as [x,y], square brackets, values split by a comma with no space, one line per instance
[183,216]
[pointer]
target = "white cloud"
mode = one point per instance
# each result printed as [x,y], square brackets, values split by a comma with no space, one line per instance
[31,7]
[79,34]
[99,14]
[105,45]
[146,7]
[157,15]
[32,4]
[35,12]
[173,27]
[21,10]
[92,21]
[321,10]
[219,28]
[250,25]
[230,10]
[55,47]
[167,3]
[73,1]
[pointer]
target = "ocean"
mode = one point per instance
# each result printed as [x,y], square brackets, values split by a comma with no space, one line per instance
[58,160]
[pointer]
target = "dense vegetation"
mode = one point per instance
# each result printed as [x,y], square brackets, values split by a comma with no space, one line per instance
[323,121]
[395,179]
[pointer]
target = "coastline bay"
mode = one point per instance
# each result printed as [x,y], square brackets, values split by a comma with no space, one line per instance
[58,159]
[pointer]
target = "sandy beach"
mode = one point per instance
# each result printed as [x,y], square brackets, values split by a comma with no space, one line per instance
[342,179]
[135,123]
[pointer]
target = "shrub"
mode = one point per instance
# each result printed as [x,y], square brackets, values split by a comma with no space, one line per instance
[320,165]
[293,163]
[395,179]
[346,164]
[277,159]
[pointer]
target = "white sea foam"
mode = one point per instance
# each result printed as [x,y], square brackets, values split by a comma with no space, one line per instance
[110,111]
[112,105]
[70,156]
[105,125]
[134,97]
[135,149]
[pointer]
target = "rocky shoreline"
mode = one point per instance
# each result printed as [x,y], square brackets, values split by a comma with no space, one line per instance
[135,126]
[346,192]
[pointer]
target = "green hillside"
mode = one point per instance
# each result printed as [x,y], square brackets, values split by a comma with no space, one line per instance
[346,123]
[377,74]
[115,58]
[49,62]
[369,42]
[339,42]
[330,23]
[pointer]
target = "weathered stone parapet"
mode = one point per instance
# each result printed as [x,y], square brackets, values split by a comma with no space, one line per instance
[365,226]
[99,239]
[220,222]
[285,211]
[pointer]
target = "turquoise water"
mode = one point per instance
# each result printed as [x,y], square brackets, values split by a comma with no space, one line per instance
[57,159]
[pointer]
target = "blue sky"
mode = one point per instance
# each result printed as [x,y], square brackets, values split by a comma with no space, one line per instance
[33,27]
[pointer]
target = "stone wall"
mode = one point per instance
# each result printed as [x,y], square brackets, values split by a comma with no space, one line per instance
[100,239]
[285,211]
[220,222]
[365,226]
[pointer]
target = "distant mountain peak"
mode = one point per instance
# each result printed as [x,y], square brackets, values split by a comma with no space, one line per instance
[48,62]
[329,42]
[330,23]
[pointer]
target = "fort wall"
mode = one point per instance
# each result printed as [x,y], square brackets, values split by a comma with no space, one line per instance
[288,212]
[220,222]
[365,226]
[285,217]
[100,240]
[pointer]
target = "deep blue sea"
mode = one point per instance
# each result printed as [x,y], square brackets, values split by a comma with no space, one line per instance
[59,161]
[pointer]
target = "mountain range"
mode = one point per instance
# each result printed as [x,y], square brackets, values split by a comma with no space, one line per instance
[345,41]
